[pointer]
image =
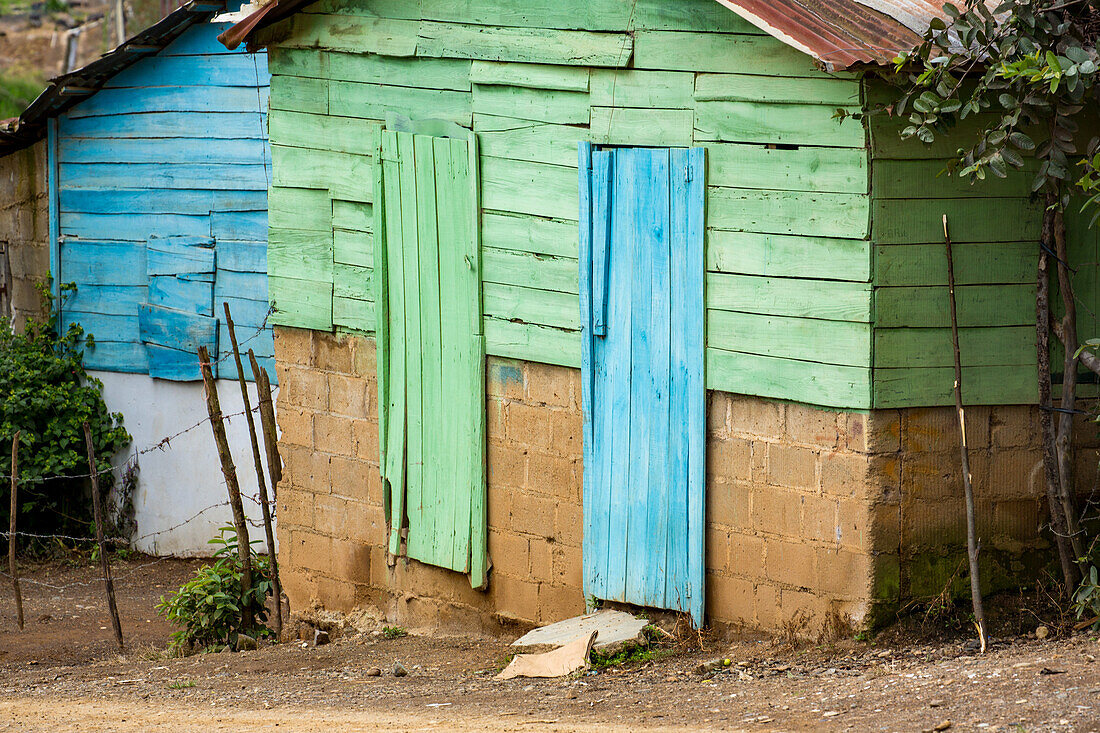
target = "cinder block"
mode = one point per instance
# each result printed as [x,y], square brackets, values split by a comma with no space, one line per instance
[542,560]
[729,459]
[548,385]
[792,467]
[729,599]
[855,526]
[334,434]
[499,507]
[350,477]
[790,563]
[568,524]
[928,524]
[339,595]
[364,357]
[507,466]
[776,511]
[332,352]
[527,425]
[766,605]
[552,475]
[557,603]
[755,416]
[295,508]
[306,388]
[365,434]
[936,429]
[1015,426]
[566,438]
[760,462]
[845,574]
[295,425]
[347,395]
[514,597]
[292,345]
[820,519]
[504,379]
[845,474]
[533,515]
[311,551]
[510,552]
[885,533]
[718,405]
[366,525]
[1018,520]
[494,419]
[567,563]
[746,555]
[730,505]
[717,549]
[813,426]
[1017,473]
[330,515]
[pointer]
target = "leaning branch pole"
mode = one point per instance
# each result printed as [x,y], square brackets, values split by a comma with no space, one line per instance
[11,528]
[267,422]
[229,471]
[257,460]
[97,509]
[968,488]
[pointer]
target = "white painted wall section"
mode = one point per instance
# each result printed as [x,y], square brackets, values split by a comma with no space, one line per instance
[180,482]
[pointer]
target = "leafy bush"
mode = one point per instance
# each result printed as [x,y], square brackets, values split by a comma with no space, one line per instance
[208,607]
[1086,600]
[46,395]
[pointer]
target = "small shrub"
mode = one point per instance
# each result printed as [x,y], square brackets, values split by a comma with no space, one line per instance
[1086,600]
[649,649]
[208,607]
[394,632]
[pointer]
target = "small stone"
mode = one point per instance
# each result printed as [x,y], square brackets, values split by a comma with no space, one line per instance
[374,672]
[399,670]
[320,638]
[1042,632]
[942,726]
[935,704]
[245,643]
[225,649]
[708,666]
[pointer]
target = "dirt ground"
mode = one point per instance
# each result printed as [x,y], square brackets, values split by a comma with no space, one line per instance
[63,673]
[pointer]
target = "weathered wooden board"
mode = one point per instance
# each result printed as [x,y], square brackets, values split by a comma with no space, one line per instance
[975,264]
[224,69]
[977,305]
[199,40]
[300,94]
[529,234]
[354,314]
[541,105]
[630,126]
[174,256]
[835,170]
[114,300]
[931,347]
[749,87]
[525,45]
[325,132]
[532,342]
[528,305]
[352,215]
[352,248]
[689,15]
[352,281]
[132,227]
[918,221]
[911,179]
[300,253]
[183,176]
[359,34]
[806,339]
[299,208]
[373,101]
[804,298]
[506,187]
[116,356]
[791,124]
[176,328]
[810,382]
[300,303]
[157,201]
[163,150]
[239,225]
[545,272]
[210,126]
[534,76]
[982,385]
[347,176]
[371,68]
[632,88]
[721,52]
[103,263]
[779,255]
[808,213]
[595,15]
[172,99]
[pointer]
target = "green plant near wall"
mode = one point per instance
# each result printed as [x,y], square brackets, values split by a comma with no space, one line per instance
[46,396]
[208,608]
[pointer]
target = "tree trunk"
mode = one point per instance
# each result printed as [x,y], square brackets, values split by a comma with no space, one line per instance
[1046,415]
[1064,436]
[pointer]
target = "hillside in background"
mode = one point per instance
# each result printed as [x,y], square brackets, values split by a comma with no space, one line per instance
[39,40]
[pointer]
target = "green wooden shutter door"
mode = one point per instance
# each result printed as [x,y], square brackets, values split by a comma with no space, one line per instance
[431,353]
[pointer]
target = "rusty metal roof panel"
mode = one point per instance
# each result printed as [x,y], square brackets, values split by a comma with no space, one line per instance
[66,90]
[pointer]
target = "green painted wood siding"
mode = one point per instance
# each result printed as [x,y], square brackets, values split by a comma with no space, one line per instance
[789,294]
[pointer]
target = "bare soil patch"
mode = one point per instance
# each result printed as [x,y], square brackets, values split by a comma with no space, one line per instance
[64,674]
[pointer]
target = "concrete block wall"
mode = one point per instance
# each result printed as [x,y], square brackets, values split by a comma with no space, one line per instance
[24,230]
[816,517]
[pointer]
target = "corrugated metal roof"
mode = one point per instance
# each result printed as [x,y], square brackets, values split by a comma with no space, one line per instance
[68,89]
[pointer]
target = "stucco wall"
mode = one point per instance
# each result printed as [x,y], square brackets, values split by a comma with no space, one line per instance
[24,228]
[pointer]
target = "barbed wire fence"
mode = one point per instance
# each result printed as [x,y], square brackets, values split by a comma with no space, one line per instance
[120,466]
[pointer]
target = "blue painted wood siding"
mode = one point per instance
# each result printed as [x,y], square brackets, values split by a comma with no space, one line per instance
[174,146]
[642,369]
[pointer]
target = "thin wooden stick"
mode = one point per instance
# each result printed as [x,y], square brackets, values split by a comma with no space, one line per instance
[103,563]
[267,423]
[229,471]
[968,488]
[265,504]
[11,528]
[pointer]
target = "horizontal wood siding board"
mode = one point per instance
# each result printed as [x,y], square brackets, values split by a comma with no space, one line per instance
[910,179]
[299,94]
[776,89]
[352,281]
[534,76]
[931,347]
[354,314]
[247,225]
[127,357]
[358,34]
[536,142]
[348,177]
[532,342]
[198,127]
[352,248]
[804,298]
[193,176]
[198,40]
[167,151]
[792,124]
[299,208]
[642,89]
[242,256]
[595,14]
[114,300]
[373,101]
[176,329]
[975,263]
[121,201]
[541,105]
[529,234]
[300,303]
[834,170]
[108,327]
[690,15]
[630,127]
[788,379]
[300,254]
[778,255]
[977,305]
[325,132]
[527,45]
[132,227]
[453,74]
[529,305]
[789,212]
[352,215]
[111,102]
[226,69]
[543,272]
[982,385]
[806,339]
[920,221]
[723,53]
[521,187]
[103,263]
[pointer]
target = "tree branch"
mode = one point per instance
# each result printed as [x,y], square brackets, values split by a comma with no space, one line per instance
[1088,359]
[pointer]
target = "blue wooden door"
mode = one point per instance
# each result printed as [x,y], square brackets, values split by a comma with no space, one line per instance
[641,286]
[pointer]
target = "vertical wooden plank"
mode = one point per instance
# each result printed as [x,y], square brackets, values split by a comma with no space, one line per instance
[396,440]
[660,484]
[410,252]
[425,545]
[53,208]
[601,252]
[479,519]
[693,320]
[589,545]
[382,324]
[618,428]
[640,171]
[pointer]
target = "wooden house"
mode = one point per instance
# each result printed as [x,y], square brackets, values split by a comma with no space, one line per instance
[156,170]
[638,301]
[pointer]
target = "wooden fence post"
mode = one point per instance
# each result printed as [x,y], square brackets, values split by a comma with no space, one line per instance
[103,563]
[258,463]
[229,471]
[267,422]
[11,528]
